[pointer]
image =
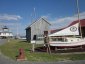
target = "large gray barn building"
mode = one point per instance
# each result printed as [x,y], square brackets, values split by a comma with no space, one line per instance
[36,29]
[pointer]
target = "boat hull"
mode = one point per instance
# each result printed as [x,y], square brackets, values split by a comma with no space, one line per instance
[68,44]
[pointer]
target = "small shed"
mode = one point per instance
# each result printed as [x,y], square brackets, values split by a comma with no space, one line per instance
[36,29]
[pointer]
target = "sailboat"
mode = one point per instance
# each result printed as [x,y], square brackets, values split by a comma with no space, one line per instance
[69,36]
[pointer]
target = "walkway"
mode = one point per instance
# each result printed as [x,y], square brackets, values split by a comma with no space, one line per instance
[2,41]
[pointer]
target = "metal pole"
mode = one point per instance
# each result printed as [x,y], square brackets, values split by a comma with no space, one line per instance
[34,14]
[79,18]
[17,30]
[33,47]
[17,27]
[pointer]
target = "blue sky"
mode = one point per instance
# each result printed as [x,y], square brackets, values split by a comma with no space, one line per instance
[57,12]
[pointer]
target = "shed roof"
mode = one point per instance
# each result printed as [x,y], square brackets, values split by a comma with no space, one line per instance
[37,21]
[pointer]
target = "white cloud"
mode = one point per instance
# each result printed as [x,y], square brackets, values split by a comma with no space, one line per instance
[69,19]
[9,17]
[46,16]
[66,20]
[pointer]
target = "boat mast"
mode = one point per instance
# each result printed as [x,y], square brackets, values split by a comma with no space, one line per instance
[79,18]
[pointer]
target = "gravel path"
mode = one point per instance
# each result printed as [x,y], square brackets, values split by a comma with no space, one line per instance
[2,41]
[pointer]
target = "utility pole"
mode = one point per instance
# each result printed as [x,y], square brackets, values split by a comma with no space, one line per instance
[33,41]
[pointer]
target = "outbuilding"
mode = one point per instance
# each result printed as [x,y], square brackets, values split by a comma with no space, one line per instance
[36,30]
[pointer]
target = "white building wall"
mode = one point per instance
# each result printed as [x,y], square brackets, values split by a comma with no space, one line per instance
[6,34]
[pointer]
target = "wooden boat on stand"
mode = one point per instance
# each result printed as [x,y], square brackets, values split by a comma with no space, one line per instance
[70,36]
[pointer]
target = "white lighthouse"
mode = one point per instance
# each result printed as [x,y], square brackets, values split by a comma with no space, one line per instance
[5,32]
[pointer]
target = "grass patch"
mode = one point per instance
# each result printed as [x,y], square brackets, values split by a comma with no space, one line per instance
[11,49]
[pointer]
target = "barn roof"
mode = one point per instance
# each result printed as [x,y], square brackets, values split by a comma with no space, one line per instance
[37,21]
[82,22]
